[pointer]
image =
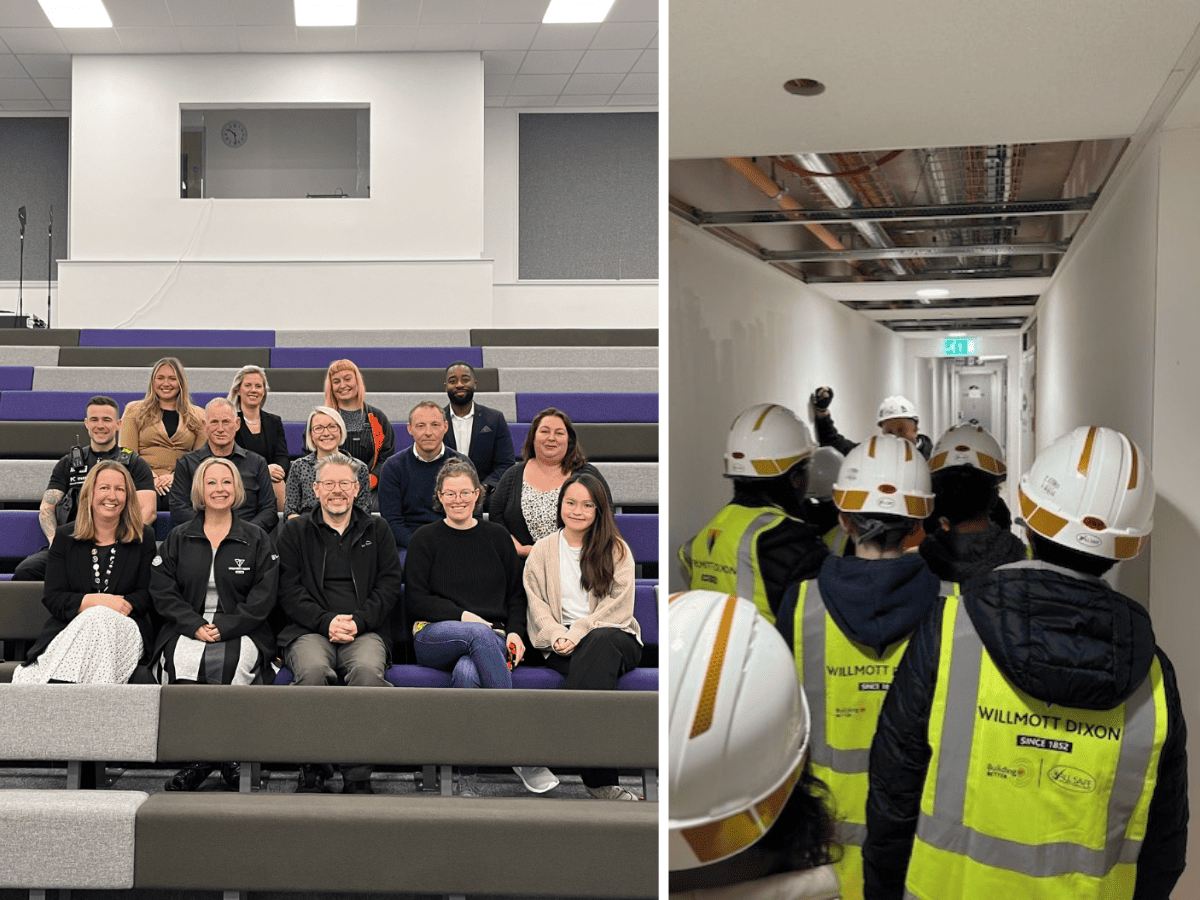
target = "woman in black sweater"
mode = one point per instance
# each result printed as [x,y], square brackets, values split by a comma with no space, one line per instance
[260,431]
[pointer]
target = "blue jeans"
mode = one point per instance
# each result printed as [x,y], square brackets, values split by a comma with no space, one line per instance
[470,651]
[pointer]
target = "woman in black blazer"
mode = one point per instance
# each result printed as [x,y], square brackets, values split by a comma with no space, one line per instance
[97,589]
[260,431]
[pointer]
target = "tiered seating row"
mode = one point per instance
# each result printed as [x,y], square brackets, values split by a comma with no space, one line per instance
[284,842]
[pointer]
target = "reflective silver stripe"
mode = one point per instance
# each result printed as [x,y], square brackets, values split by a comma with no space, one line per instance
[849,833]
[945,830]
[745,560]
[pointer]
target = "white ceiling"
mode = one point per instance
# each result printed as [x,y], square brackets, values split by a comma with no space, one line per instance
[525,63]
[917,73]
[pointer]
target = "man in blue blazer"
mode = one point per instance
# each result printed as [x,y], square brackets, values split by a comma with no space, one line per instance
[478,431]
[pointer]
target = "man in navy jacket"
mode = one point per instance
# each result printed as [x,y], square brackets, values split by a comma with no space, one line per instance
[479,432]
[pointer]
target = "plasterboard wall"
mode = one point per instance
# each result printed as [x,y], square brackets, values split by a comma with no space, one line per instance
[742,333]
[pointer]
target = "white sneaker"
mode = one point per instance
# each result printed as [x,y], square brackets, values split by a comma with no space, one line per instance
[538,779]
[612,792]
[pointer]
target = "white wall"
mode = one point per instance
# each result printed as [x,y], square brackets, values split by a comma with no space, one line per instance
[1175,544]
[545,304]
[137,248]
[742,333]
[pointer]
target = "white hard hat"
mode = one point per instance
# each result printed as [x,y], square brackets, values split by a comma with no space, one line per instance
[738,727]
[1091,491]
[823,472]
[896,407]
[766,440]
[884,474]
[968,445]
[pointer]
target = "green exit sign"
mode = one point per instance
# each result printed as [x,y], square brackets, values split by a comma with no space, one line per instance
[959,346]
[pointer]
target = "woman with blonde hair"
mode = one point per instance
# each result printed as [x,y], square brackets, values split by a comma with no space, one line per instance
[97,588]
[260,431]
[163,425]
[369,434]
[324,433]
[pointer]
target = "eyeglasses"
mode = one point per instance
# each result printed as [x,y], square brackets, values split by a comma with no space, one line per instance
[459,495]
[587,504]
[321,429]
[330,485]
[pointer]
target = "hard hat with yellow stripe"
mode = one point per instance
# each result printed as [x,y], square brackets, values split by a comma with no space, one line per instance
[738,727]
[884,474]
[765,441]
[968,445]
[1091,491]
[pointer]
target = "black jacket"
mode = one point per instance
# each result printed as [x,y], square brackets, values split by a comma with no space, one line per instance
[69,577]
[374,564]
[1063,638]
[491,447]
[504,505]
[374,444]
[247,575]
[956,556]
[272,435]
[259,507]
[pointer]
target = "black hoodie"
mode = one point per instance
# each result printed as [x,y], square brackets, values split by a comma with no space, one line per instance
[959,556]
[1061,637]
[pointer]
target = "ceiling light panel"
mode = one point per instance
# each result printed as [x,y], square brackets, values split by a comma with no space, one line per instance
[561,11]
[76,13]
[326,13]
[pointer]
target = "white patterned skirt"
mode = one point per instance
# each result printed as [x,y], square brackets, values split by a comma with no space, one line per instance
[99,646]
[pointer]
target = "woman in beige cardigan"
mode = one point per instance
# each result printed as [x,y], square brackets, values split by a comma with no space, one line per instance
[579,582]
[163,425]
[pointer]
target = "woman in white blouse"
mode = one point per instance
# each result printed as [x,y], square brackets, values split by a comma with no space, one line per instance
[580,584]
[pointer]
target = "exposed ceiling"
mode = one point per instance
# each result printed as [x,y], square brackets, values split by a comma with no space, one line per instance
[525,63]
[967,141]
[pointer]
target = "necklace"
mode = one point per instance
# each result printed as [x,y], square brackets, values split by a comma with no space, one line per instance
[112,555]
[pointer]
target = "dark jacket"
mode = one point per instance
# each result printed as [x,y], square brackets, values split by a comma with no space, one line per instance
[259,508]
[491,447]
[958,556]
[272,435]
[374,444]
[374,564]
[1063,638]
[829,436]
[874,602]
[504,506]
[69,576]
[247,576]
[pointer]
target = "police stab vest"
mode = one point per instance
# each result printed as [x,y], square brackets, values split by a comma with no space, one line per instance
[1025,799]
[845,683]
[82,462]
[724,555]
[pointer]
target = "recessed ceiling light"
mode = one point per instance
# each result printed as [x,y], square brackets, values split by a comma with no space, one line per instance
[930,293]
[561,11]
[804,87]
[76,13]
[327,13]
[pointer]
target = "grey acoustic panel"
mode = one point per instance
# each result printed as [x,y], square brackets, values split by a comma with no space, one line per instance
[613,381]
[33,174]
[554,357]
[420,337]
[588,196]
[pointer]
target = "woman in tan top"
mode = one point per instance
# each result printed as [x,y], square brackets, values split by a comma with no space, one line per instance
[579,583]
[164,425]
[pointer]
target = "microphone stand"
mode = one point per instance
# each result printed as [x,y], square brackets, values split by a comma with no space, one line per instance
[49,261]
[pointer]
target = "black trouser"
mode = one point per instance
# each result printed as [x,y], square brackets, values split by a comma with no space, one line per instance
[599,659]
[32,567]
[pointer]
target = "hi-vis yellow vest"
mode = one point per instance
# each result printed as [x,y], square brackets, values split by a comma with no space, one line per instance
[724,555]
[1027,800]
[845,683]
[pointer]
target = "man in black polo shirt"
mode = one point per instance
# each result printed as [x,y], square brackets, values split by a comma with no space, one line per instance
[339,577]
[220,425]
[61,500]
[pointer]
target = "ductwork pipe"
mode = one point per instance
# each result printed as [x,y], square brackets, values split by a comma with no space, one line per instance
[767,185]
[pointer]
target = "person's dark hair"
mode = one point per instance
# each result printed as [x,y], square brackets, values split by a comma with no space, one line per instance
[963,493]
[602,545]
[101,400]
[785,491]
[895,529]
[459,362]
[456,465]
[574,457]
[1058,555]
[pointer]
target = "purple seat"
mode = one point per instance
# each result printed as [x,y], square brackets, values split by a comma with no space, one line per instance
[295,438]
[65,406]
[16,378]
[641,534]
[20,534]
[591,407]
[643,679]
[375,357]
[645,610]
[173,337]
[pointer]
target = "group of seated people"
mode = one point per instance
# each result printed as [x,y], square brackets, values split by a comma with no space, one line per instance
[237,587]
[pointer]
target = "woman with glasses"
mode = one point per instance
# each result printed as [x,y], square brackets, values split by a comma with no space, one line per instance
[324,433]
[579,583]
[464,597]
